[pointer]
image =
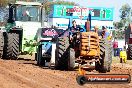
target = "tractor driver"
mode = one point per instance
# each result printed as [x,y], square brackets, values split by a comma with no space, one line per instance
[26,15]
[74,28]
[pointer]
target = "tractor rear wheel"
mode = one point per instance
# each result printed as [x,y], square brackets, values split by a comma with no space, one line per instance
[11,47]
[1,44]
[65,56]
[110,49]
[105,56]
[71,59]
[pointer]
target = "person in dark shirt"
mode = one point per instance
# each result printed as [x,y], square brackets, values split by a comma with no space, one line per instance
[75,27]
[74,40]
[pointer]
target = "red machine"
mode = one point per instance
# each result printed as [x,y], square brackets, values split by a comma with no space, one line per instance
[128,41]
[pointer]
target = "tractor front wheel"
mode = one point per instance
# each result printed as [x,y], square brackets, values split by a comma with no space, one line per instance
[40,59]
[65,56]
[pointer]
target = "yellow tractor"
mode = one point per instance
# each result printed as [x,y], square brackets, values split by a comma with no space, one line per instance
[84,50]
[87,50]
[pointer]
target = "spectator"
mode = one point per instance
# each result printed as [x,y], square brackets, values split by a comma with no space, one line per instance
[115,47]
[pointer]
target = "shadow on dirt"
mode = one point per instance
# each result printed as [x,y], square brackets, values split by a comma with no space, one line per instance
[25,59]
[31,62]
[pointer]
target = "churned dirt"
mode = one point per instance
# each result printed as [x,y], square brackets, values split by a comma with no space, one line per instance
[24,73]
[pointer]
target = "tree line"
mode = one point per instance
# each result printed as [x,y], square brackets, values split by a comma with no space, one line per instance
[125,20]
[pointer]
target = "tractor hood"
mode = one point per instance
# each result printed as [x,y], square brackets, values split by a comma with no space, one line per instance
[29,33]
[29,28]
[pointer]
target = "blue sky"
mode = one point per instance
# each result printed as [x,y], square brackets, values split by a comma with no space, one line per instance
[116,4]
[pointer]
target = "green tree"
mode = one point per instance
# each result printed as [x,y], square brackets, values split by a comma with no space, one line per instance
[125,19]
[48,5]
[4,3]
[118,25]
[126,13]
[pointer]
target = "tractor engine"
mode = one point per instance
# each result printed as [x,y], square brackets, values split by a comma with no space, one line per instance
[86,47]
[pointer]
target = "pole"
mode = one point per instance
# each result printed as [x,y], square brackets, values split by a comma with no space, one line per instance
[43,15]
[70,20]
[90,19]
[81,17]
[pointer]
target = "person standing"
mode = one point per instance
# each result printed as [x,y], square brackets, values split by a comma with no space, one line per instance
[115,47]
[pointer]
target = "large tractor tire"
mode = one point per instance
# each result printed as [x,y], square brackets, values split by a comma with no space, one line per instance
[129,53]
[71,59]
[1,44]
[110,49]
[11,47]
[40,59]
[65,56]
[105,60]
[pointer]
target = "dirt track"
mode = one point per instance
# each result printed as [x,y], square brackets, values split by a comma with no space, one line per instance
[25,74]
